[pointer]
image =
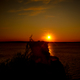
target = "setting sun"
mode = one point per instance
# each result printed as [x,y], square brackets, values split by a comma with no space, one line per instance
[49,37]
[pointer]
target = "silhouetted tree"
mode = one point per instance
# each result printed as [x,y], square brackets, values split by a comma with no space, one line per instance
[30,38]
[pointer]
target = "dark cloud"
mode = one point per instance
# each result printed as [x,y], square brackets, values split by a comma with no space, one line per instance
[31,11]
[45,1]
[35,8]
[32,7]
[25,7]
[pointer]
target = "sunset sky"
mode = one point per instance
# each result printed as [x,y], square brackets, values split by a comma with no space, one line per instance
[19,19]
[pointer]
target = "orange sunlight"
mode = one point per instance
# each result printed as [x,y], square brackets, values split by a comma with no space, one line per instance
[48,37]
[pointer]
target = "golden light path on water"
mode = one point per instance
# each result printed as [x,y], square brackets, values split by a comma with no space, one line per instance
[51,50]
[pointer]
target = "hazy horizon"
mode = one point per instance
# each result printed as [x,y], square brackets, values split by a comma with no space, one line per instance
[38,40]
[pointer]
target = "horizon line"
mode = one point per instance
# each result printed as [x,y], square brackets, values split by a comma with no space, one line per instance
[40,41]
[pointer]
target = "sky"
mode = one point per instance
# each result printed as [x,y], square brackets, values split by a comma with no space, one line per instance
[19,19]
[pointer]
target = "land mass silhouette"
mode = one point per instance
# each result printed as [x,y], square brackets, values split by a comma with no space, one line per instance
[35,62]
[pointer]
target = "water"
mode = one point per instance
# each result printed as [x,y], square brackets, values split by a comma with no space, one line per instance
[9,50]
[68,54]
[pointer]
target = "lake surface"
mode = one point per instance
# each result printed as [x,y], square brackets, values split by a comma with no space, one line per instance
[9,50]
[68,54]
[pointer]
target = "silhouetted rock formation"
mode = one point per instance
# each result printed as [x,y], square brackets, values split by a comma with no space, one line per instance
[35,62]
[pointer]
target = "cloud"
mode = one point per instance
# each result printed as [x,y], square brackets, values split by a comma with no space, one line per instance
[25,13]
[35,8]
[52,1]
[36,13]
[44,1]
[31,11]
[58,1]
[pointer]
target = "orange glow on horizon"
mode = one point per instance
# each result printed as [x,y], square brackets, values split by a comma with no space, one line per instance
[48,37]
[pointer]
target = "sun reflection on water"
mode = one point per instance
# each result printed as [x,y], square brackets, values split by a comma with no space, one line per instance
[51,50]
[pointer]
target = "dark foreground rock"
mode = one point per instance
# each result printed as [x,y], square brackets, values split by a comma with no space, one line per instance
[30,69]
[34,64]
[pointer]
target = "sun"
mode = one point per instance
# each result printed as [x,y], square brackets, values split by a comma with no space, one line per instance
[49,37]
